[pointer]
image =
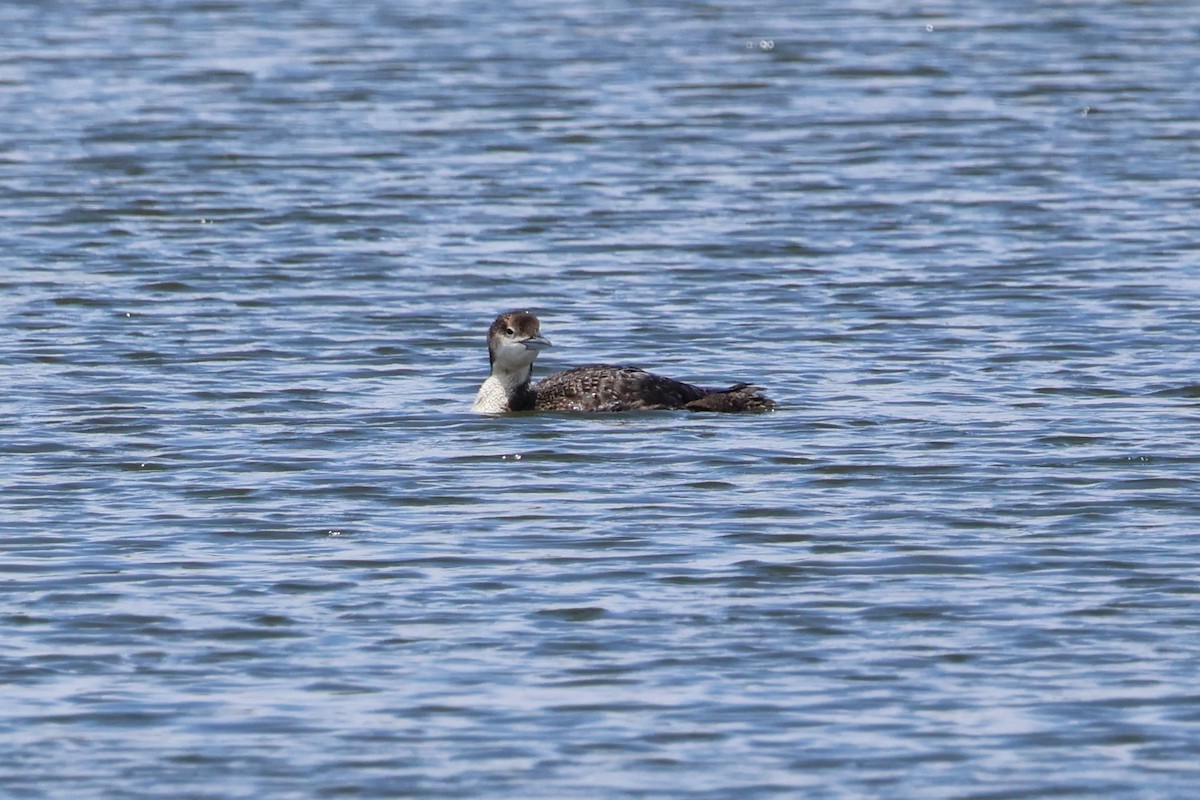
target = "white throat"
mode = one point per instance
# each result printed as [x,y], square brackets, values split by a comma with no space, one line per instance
[494,393]
[510,369]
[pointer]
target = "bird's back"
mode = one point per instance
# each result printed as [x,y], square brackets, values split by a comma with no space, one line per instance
[603,387]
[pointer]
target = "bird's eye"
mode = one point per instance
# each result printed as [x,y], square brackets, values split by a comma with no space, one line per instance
[509,331]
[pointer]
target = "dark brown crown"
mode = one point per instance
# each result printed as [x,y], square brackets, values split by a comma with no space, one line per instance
[520,323]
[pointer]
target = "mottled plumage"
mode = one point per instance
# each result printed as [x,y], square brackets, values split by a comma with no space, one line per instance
[514,340]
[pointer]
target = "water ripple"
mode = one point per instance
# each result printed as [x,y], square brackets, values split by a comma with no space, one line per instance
[255,544]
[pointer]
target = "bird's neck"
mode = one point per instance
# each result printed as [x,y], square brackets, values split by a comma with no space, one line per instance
[506,389]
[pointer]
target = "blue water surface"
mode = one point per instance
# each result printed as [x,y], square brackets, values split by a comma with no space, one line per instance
[254,545]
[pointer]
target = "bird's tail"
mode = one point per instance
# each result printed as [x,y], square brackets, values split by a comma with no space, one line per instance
[741,397]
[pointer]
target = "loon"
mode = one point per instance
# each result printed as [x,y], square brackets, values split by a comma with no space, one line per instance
[514,341]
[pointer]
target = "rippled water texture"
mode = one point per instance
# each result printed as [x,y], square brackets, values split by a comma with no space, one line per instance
[255,546]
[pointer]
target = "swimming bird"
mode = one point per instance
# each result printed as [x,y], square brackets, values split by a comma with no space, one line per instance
[514,341]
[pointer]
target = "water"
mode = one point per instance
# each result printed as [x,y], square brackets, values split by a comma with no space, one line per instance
[255,546]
